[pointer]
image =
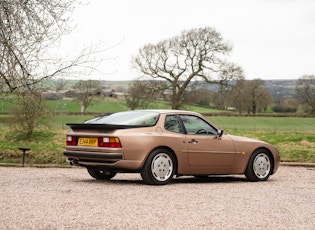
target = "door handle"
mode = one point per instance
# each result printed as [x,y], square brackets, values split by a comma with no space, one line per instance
[193,141]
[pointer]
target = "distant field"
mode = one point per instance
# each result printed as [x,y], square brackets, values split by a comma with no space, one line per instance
[96,106]
[105,105]
[294,136]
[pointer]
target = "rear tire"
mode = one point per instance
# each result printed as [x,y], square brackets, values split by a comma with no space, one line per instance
[260,166]
[101,174]
[159,168]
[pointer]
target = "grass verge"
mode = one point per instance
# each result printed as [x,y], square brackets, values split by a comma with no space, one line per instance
[294,137]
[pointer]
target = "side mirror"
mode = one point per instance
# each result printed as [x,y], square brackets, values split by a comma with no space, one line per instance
[220,132]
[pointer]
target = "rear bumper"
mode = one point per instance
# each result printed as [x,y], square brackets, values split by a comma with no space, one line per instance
[105,160]
[93,155]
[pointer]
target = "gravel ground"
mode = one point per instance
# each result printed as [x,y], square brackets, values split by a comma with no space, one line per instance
[68,198]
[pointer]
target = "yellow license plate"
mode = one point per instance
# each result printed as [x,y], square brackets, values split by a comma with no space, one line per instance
[88,141]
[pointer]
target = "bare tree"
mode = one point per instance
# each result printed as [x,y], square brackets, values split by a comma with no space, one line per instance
[28,29]
[142,93]
[250,95]
[194,55]
[305,91]
[200,95]
[238,97]
[30,113]
[285,105]
[59,84]
[259,96]
[135,95]
[85,92]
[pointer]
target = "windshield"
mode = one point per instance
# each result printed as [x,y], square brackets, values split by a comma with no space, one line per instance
[127,118]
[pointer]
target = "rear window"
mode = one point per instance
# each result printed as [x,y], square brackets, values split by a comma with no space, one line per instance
[148,118]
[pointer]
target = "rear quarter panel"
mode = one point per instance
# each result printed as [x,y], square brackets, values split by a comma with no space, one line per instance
[139,143]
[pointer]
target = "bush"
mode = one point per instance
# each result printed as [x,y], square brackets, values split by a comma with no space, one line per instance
[282,109]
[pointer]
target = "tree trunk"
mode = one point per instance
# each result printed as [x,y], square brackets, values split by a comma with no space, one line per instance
[82,110]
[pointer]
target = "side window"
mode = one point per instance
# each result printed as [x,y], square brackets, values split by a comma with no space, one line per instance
[172,124]
[196,125]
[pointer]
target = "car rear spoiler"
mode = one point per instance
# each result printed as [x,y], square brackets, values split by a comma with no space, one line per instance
[103,126]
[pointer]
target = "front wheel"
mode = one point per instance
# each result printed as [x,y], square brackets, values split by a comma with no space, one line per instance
[101,174]
[159,168]
[260,166]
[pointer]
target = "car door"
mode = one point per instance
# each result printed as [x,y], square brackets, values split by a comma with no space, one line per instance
[205,147]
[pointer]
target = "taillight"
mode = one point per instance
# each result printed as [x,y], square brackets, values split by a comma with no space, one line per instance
[109,142]
[71,140]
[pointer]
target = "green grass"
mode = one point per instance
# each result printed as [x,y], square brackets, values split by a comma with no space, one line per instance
[46,147]
[60,121]
[108,106]
[264,124]
[63,105]
[293,136]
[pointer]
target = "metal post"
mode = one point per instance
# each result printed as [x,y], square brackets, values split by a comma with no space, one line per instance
[23,157]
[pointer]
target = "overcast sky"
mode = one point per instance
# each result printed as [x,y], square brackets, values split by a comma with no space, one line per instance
[272,39]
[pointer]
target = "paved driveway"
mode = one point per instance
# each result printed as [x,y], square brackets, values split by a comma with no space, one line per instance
[63,198]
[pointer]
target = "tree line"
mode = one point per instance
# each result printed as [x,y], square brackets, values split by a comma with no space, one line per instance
[241,96]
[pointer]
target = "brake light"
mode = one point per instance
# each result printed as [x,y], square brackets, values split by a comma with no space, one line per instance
[109,142]
[71,140]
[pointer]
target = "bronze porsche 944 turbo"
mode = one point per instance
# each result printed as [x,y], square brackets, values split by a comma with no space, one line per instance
[160,144]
